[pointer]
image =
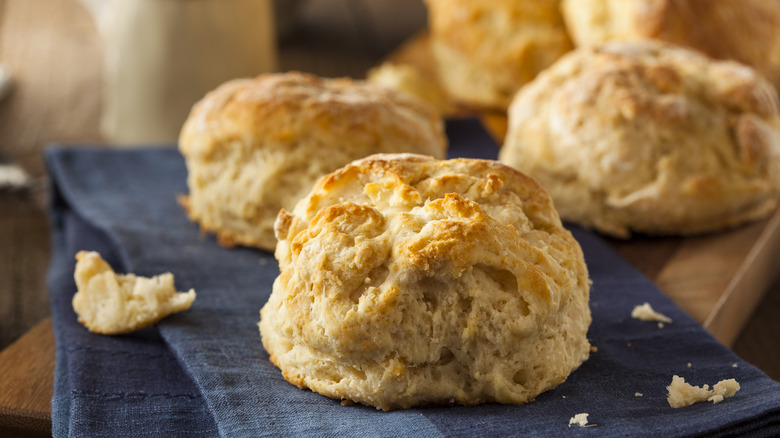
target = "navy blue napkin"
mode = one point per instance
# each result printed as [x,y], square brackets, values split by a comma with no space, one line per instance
[204,372]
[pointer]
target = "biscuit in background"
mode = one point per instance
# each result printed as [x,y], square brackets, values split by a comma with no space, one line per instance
[487,49]
[649,137]
[407,78]
[409,281]
[744,30]
[254,146]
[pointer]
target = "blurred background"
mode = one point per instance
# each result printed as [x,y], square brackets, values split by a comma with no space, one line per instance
[55,54]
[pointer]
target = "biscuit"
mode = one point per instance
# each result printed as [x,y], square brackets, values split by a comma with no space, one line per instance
[408,281]
[487,50]
[743,30]
[649,137]
[409,79]
[111,304]
[254,146]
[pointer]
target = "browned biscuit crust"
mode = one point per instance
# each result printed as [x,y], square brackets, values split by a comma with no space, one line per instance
[409,281]
[254,146]
[649,137]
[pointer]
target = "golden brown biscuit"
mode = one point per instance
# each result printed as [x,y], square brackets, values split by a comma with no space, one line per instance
[254,146]
[649,137]
[409,281]
[744,30]
[487,49]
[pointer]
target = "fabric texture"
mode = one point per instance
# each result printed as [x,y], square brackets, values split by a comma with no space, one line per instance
[204,372]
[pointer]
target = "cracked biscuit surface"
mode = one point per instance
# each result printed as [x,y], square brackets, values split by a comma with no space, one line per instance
[409,281]
[649,137]
[254,146]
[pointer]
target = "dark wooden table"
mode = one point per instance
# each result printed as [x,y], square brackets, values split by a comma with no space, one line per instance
[55,53]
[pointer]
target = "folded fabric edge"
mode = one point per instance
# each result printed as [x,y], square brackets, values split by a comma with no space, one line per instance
[60,403]
[60,198]
[60,270]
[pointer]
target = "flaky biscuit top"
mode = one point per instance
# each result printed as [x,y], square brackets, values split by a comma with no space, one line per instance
[667,91]
[455,277]
[254,146]
[638,124]
[277,107]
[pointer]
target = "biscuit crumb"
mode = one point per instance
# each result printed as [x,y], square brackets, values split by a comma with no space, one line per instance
[638,394]
[111,304]
[645,312]
[580,420]
[683,394]
[689,365]
[735,366]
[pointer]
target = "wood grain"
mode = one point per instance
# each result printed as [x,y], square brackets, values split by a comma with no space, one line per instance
[758,342]
[24,255]
[27,371]
[747,287]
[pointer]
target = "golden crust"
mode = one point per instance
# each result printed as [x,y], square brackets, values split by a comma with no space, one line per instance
[744,30]
[409,281]
[487,50]
[254,146]
[649,137]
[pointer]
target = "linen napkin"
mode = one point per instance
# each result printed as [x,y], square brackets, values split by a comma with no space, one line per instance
[204,372]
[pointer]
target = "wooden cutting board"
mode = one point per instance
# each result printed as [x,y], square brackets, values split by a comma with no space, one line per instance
[717,278]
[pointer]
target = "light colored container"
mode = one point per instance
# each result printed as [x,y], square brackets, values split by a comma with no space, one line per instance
[162,56]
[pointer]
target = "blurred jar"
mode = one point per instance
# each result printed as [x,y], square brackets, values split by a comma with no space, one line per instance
[162,56]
